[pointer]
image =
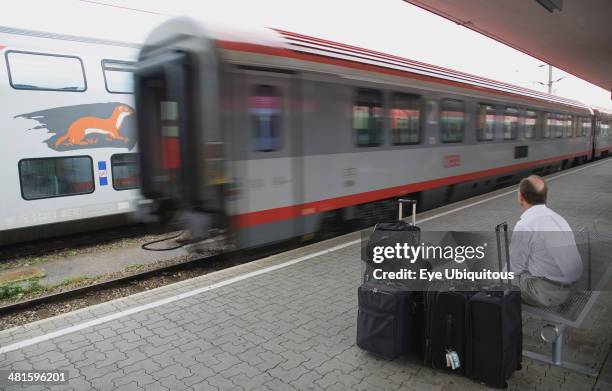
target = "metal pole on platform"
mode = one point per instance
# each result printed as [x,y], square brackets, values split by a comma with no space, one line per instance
[557,347]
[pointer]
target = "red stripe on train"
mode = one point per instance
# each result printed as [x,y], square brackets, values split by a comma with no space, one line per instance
[288,212]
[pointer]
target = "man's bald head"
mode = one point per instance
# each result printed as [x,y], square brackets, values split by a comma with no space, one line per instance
[534,190]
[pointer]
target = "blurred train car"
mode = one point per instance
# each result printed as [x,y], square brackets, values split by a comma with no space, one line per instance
[68,158]
[602,141]
[279,135]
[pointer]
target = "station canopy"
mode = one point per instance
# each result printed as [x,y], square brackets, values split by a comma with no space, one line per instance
[572,35]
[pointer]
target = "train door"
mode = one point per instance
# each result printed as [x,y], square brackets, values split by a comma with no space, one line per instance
[594,135]
[163,94]
[268,213]
[587,128]
[177,139]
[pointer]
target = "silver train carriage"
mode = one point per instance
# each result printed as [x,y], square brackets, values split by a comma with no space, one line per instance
[602,125]
[69,151]
[278,135]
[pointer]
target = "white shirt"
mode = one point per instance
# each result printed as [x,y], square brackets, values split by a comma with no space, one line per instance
[543,245]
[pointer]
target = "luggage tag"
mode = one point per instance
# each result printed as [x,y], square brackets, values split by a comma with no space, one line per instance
[455,362]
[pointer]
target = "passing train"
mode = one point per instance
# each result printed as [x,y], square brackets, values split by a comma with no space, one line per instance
[276,135]
[69,161]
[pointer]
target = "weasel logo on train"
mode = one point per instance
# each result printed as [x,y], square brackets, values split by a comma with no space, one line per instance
[97,125]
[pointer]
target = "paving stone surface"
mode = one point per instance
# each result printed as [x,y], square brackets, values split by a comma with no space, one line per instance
[287,322]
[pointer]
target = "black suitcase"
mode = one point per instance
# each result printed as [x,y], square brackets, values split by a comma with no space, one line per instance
[446,325]
[388,234]
[390,319]
[417,336]
[386,319]
[496,332]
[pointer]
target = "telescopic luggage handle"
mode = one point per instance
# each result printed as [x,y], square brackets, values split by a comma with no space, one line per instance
[498,228]
[403,201]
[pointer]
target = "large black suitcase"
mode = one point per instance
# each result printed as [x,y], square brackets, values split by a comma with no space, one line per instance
[388,234]
[390,316]
[446,327]
[387,319]
[496,329]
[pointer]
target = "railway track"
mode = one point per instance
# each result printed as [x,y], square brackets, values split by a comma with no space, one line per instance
[54,303]
[55,297]
[45,246]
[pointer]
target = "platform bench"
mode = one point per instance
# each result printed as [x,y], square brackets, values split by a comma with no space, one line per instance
[596,252]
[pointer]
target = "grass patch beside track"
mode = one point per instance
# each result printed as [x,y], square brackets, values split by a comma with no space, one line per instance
[134,267]
[32,287]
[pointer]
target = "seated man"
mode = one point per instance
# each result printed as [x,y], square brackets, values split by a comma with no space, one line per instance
[543,252]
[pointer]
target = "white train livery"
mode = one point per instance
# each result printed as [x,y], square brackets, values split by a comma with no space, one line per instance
[69,150]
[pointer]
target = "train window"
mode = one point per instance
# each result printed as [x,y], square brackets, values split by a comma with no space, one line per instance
[569,126]
[118,76]
[452,121]
[559,125]
[405,119]
[576,126]
[368,118]
[46,72]
[586,125]
[600,129]
[485,122]
[432,112]
[531,120]
[563,122]
[549,125]
[605,128]
[56,177]
[510,123]
[265,110]
[597,128]
[125,171]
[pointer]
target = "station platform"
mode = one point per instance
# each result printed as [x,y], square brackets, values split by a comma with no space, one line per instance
[287,322]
